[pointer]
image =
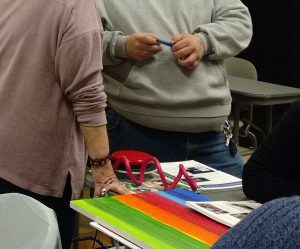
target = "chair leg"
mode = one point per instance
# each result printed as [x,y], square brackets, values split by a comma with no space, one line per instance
[253,139]
[246,131]
[269,119]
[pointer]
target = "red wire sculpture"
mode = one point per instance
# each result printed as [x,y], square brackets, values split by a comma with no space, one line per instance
[123,160]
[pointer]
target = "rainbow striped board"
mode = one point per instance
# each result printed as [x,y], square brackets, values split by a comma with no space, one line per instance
[155,219]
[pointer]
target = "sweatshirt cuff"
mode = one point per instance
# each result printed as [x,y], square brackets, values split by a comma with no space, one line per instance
[120,51]
[206,41]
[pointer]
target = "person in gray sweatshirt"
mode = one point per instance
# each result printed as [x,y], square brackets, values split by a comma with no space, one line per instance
[164,75]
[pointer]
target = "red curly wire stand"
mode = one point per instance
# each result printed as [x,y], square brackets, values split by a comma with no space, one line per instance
[123,160]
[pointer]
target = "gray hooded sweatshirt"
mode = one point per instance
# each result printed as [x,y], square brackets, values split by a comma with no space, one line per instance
[159,93]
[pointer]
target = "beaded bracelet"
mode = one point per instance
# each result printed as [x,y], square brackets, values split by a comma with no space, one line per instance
[98,162]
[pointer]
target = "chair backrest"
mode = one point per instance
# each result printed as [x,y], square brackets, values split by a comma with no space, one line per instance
[241,68]
[26,223]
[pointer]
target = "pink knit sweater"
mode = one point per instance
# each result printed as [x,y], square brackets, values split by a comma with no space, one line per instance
[50,81]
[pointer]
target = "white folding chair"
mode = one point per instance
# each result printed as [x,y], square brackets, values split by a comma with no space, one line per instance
[25,223]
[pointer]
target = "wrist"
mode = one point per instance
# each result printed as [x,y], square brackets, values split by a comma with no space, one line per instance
[205,43]
[99,162]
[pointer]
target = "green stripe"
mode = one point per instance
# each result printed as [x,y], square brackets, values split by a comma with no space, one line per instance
[134,223]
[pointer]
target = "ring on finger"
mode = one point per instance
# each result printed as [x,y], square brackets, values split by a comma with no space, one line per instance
[104,192]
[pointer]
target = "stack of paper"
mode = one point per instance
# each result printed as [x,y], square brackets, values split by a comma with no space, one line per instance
[208,179]
[228,213]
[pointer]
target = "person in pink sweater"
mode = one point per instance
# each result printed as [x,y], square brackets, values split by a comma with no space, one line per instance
[52,104]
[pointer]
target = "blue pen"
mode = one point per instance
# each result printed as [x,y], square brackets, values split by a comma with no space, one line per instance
[167,43]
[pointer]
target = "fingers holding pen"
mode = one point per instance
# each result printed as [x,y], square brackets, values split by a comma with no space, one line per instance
[188,49]
[141,46]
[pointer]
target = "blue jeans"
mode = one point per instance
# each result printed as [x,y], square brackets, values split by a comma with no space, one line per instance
[167,146]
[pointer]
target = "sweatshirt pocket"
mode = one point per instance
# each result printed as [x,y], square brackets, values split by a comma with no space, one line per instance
[119,72]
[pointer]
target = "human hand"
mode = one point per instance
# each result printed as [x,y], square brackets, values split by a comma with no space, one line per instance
[188,49]
[141,46]
[105,180]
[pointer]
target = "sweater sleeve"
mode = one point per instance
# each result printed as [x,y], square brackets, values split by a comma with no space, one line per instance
[113,47]
[274,168]
[78,64]
[113,40]
[229,32]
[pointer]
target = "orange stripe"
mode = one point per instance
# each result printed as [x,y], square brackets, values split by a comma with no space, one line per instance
[169,219]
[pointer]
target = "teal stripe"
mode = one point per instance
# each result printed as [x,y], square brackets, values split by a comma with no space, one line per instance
[137,224]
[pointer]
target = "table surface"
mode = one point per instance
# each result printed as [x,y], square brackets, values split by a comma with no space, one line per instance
[261,93]
[152,220]
[233,195]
